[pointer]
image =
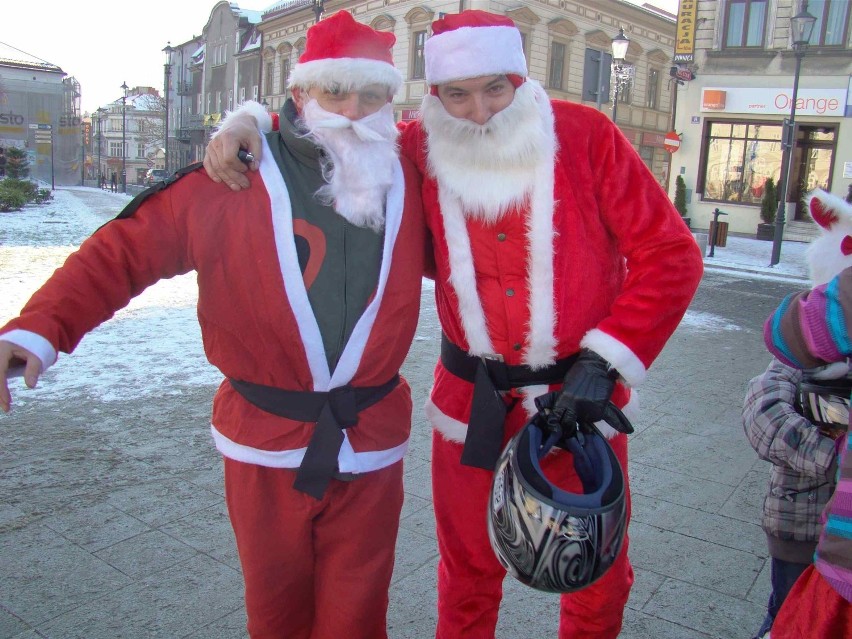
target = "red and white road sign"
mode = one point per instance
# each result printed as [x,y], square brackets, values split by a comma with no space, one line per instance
[671,142]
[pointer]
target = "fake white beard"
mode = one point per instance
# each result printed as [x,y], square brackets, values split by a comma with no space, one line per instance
[360,161]
[491,167]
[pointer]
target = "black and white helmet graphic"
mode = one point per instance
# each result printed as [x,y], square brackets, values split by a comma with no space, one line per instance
[546,537]
[826,402]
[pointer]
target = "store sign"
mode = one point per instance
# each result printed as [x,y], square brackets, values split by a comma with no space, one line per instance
[685,33]
[409,114]
[824,102]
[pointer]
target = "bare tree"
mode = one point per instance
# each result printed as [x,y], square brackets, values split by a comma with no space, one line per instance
[152,126]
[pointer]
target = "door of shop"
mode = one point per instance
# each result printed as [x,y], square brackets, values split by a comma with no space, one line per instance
[812,163]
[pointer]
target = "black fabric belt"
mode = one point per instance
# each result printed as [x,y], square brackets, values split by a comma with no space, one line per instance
[332,411]
[490,375]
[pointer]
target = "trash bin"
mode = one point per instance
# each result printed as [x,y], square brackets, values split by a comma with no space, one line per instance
[721,238]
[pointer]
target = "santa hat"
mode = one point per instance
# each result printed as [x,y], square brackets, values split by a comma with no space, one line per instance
[473,44]
[341,52]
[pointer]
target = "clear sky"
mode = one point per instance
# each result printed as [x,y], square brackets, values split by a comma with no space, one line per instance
[103,43]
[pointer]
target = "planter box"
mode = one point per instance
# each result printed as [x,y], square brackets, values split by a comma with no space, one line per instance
[765,232]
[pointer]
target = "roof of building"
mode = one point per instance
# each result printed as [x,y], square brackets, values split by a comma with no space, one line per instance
[15,58]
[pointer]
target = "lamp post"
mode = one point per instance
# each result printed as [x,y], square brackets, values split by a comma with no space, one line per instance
[622,72]
[124,138]
[100,111]
[801,27]
[167,68]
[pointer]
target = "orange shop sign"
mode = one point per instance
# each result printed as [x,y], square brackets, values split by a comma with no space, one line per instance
[767,101]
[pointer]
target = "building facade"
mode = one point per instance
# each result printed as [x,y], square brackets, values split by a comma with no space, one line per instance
[211,73]
[40,112]
[730,115]
[568,47]
[128,135]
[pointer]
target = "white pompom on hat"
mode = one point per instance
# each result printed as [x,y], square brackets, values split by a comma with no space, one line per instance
[472,44]
[345,54]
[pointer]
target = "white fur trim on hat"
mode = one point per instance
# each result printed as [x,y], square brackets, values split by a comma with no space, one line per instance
[347,73]
[250,108]
[472,52]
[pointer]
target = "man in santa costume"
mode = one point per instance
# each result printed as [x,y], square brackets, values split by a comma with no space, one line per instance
[555,250]
[309,290]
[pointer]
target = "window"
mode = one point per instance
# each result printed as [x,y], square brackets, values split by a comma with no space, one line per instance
[270,70]
[832,17]
[597,69]
[209,100]
[285,74]
[242,94]
[418,61]
[218,101]
[557,65]
[140,150]
[254,92]
[653,98]
[745,23]
[230,99]
[738,157]
[200,104]
[115,149]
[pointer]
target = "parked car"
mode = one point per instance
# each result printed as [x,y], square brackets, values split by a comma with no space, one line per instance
[156,175]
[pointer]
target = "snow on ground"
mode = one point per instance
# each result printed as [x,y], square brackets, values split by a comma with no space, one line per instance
[154,345]
[144,350]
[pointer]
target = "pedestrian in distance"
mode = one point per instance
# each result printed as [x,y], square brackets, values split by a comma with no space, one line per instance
[804,464]
[547,265]
[2,162]
[113,182]
[309,293]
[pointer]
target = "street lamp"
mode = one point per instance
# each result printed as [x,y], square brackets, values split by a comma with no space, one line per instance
[801,27]
[167,67]
[124,138]
[100,111]
[622,72]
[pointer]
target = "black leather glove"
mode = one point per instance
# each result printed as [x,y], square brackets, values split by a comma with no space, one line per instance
[586,390]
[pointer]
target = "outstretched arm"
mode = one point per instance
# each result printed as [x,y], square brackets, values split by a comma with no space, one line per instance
[240,129]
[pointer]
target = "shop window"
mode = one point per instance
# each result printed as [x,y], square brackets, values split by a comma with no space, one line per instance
[745,23]
[737,159]
[832,20]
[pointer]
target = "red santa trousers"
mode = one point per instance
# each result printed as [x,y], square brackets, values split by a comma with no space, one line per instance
[813,610]
[314,569]
[470,578]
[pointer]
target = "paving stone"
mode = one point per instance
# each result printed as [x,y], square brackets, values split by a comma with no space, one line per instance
[146,554]
[706,610]
[693,560]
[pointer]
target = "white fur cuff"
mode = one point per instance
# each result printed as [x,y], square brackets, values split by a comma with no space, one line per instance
[247,109]
[616,353]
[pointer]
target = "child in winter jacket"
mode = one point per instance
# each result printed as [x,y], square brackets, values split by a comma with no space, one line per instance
[808,330]
[801,481]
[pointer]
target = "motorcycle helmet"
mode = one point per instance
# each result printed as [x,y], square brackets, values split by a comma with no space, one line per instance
[546,537]
[826,402]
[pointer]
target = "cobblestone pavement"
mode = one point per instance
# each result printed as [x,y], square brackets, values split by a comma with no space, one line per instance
[112,521]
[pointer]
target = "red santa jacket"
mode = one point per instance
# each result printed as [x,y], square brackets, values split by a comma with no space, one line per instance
[612,269]
[256,321]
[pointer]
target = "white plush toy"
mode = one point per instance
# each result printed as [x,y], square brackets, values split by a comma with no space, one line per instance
[831,252]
